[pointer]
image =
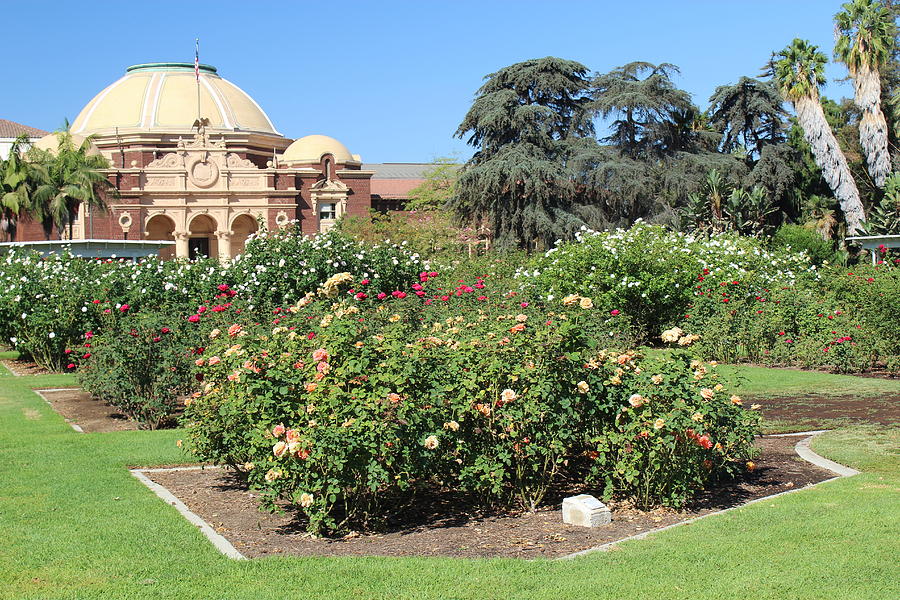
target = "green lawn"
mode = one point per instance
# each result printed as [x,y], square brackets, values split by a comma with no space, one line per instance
[75,524]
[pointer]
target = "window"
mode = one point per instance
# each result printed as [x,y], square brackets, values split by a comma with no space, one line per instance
[327,211]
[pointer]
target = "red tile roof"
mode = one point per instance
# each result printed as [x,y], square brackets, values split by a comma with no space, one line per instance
[11,129]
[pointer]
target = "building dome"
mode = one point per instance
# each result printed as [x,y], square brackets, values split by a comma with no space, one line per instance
[50,143]
[311,149]
[162,97]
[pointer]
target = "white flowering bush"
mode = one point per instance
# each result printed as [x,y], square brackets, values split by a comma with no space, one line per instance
[279,267]
[48,304]
[650,272]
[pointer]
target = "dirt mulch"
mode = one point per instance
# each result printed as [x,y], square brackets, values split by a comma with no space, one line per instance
[437,526]
[92,415]
[24,367]
[830,411]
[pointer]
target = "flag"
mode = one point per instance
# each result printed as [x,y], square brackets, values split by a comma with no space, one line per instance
[197,60]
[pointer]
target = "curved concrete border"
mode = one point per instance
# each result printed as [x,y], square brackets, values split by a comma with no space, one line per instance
[802,448]
[221,544]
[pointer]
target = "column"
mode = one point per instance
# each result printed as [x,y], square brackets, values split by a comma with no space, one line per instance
[224,245]
[181,244]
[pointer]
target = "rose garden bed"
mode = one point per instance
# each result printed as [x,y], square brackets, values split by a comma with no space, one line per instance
[445,524]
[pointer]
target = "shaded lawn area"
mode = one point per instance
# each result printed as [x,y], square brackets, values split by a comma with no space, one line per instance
[75,524]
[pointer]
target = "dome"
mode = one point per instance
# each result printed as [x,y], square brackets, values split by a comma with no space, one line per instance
[50,143]
[163,97]
[311,148]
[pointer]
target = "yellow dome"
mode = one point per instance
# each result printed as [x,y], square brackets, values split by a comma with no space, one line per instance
[50,143]
[311,148]
[163,97]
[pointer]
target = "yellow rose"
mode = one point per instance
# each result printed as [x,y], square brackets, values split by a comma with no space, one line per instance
[583,387]
[586,303]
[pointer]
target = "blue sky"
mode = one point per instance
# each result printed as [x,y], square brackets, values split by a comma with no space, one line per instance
[390,79]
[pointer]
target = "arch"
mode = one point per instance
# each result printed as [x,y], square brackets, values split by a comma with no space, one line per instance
[202,239]
[241,228]
[161,227]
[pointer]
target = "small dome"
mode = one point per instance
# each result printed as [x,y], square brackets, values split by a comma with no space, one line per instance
[163,97]
[50,143]
[311,148]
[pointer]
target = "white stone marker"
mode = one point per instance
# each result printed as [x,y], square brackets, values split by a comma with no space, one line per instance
[585,511]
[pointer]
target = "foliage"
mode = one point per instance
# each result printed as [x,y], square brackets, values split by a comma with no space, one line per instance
[749,115]
[137,364]
[342,405]
[435,192]
[884,218]
[647,272]
[846,320]
[278,268]
[799,71]
[525,124]
[18,179]
[678,431]
[719,207]
[867,34]
[807,240]
[427,232]
[71,177]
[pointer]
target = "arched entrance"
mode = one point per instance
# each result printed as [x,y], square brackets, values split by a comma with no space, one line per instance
[161,227]
[241,228]
[202,239]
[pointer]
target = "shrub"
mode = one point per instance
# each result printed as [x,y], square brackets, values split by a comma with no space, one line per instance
[678,430]
[138,364]
[806,240]
[650,272]
[278,268]
[345,403]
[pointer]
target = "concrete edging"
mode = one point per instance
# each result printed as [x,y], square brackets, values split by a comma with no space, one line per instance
[39,392]
[221,544]
[802,448]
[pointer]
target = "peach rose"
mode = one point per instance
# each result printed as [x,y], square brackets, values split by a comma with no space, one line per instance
[279,449]
[583,387]
[214,360]
[659,424]
[311,387]
[306,499]
[507,395]
[234,330]
[431,442]
[320,355]
[636,401]
[278,430]
[707,393]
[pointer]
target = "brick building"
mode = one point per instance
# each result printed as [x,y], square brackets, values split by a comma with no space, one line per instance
[206,183]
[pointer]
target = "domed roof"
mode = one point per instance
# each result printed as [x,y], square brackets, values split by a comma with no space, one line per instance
[50,143]
[311,148]
[163,97]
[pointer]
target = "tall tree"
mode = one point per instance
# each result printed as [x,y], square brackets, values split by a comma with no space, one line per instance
[650,115]
[866,34]
[799,71]
[525,123]
[749,115]
[73,178]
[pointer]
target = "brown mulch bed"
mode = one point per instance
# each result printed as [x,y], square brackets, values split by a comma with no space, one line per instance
[92,415]
[24,367]
[817,411]
[438,526]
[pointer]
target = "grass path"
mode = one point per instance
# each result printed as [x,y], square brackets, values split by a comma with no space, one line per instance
[75,524]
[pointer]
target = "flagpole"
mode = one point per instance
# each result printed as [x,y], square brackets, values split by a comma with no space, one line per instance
[197,73]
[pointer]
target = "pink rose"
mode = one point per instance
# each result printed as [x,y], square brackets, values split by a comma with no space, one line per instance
[194,318]
[278,430]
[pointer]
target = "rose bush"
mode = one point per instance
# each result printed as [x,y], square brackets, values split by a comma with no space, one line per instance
[652,271]
[346,400]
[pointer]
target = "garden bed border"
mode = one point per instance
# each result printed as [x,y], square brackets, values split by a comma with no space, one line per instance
[802,448]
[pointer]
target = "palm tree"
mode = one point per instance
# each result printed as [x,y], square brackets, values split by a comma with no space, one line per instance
[866,36]
[73,177]
[799,70]
[18,178]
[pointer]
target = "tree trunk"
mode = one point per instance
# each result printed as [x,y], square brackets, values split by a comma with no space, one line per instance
[873,131]
[831,160]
